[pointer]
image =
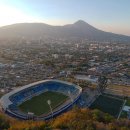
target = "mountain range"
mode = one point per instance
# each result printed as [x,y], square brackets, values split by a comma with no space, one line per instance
[78,30]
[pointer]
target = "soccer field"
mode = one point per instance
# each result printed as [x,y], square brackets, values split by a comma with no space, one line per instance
[108,104]
[38,104]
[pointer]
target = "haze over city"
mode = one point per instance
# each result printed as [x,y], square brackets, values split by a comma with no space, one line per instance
[64,65]
[111,15]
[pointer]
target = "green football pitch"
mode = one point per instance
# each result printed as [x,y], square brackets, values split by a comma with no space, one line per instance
[108,104]
[38,104]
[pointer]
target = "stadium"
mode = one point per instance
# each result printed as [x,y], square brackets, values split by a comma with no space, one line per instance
[41,100]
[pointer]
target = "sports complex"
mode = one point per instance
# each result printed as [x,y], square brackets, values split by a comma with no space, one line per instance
[109,104]
[41,100]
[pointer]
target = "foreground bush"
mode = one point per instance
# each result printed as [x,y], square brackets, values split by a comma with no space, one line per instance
[76,119]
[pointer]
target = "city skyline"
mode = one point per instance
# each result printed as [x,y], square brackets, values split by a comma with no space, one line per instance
[111,16]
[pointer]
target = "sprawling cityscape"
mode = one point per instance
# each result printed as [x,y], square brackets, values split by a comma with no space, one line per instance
[31,61]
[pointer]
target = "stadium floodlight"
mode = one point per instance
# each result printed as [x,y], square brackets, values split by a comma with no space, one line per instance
[70,96]
[49,103]
[30,115]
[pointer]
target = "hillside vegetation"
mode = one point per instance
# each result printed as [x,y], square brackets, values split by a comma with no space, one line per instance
[76,119]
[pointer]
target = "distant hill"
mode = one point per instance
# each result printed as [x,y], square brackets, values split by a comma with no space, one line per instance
[78,30]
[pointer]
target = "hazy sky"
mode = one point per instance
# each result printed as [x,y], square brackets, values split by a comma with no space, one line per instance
[108,15]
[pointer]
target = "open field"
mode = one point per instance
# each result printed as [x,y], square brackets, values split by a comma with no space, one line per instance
[38,104]
[108,104]
[121,90]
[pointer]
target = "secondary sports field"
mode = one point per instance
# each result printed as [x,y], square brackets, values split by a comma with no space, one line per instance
[38,104]
[108,104]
